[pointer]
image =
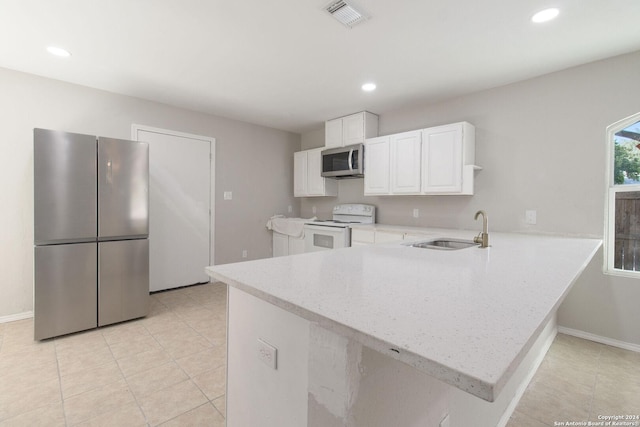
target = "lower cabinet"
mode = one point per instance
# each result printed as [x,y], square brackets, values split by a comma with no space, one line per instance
[286,245]
[368,237]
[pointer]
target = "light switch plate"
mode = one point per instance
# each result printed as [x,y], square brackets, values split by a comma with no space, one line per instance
[228,195]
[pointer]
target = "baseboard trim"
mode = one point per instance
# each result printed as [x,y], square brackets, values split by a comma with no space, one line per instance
[17,316]
[597,338]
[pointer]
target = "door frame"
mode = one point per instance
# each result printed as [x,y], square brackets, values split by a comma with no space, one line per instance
[212,176]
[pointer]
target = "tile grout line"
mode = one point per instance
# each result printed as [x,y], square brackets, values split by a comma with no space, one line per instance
[126,380]
[64,411]
[595,383]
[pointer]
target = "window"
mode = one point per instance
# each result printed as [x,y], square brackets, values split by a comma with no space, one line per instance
[622,231]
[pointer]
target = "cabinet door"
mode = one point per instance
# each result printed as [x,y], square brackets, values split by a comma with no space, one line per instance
[442,159]
[333,133]
[280,244]
[300,174]
[405,163]
[388,236]
[353,129]
[376,162]
[315,181]
[362,237]
[296,246]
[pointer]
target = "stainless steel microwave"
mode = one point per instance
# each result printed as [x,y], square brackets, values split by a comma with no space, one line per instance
[343,162]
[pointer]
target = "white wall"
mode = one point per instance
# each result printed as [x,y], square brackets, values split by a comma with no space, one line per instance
[542,145]
[252,161]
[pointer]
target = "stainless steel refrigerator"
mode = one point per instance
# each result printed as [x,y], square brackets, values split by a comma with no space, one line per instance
[91,225]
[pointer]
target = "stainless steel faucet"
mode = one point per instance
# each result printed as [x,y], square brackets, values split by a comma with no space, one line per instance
[483,237]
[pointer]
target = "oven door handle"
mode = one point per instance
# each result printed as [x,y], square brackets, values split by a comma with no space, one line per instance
[351,160]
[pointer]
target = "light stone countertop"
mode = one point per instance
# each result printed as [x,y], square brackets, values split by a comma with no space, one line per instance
[467,317]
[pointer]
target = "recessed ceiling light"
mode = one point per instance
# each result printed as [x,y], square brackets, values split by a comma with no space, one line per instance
[368,87]
[545,15]
[58,51]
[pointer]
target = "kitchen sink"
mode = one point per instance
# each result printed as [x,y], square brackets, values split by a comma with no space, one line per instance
[445,244]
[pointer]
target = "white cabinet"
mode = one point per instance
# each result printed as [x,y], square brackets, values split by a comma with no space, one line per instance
[351,129]
[446,152]
[300,173]
[360,237]
[286,245]
[405,162]
[280,244]
[376,164]
[307,178]
[392,164]
[388,236]
[316,184]
[433,161]
[296,245]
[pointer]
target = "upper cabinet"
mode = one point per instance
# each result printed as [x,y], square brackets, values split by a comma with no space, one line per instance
[307,178]
[448,157]
[437,160]
[377,166]
[352,129]
[405,162]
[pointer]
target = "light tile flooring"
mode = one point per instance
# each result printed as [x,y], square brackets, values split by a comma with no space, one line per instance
[169,369]
[578,381]
[166,369]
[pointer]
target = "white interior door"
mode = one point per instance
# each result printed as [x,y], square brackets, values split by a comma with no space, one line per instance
[180,206]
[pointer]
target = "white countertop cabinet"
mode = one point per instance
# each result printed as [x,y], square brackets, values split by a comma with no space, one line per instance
[351,129]
[307,178]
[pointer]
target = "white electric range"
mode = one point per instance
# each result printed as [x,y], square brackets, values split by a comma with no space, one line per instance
[320,235]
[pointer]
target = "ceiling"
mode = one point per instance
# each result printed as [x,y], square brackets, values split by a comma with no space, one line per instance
[288,64]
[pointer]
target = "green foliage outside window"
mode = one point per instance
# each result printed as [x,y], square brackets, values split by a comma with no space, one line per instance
[626,163]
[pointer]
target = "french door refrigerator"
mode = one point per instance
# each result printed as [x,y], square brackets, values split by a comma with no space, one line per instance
[91,225]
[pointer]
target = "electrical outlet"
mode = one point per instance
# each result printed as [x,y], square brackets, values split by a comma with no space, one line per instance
[290,209]
[268,354]
[313,210]
[228,195]
[416,213]
[244,253]
[530,217]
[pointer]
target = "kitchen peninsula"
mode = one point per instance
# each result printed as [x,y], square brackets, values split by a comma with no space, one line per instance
[394,335]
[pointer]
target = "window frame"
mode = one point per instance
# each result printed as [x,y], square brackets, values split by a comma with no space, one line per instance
[610,199]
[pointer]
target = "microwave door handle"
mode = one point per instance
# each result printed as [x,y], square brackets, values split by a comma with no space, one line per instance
[351,160]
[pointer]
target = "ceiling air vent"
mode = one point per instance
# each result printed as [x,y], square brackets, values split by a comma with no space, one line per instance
[346,13]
